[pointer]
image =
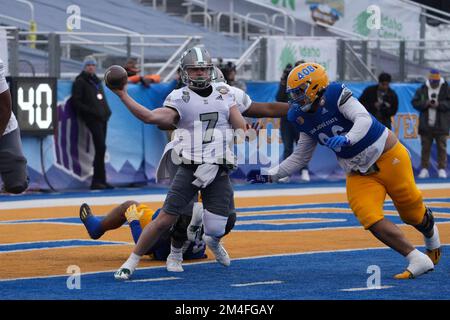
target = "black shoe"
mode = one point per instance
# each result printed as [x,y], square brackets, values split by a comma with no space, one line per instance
[98,186]
[108,186]
[85,214]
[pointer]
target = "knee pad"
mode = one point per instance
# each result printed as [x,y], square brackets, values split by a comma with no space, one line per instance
[428,223]
[214,224]
[230,223]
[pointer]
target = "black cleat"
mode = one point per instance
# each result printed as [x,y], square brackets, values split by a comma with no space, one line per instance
[85,214]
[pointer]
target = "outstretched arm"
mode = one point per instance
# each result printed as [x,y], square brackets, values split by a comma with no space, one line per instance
[163,117]
[267,110]
[298,159]
[236,119]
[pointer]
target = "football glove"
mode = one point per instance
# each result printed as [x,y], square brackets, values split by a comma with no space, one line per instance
[133,213]
[337,141]
[255,176]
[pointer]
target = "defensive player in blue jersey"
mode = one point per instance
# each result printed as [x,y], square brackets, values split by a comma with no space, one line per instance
[140,215]
[375,161]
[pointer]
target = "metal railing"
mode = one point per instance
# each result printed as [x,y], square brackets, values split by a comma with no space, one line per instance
[244,21]
[120,46]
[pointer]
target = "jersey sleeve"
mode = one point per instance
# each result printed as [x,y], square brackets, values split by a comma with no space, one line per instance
[345,95]
[243,100]
[173,101]
[230,101]
[354,111]
[3,83]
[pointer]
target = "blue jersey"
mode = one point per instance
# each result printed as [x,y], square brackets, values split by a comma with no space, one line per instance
[328,122]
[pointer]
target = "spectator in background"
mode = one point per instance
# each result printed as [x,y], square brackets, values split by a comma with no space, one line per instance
[134,76]
[229,72]
[90,104]
[289,135]
[380,100]
[432,100]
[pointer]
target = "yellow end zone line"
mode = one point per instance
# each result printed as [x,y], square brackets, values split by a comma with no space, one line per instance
[211,261]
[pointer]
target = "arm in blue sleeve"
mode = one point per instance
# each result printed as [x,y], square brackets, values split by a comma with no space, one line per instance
[136,230]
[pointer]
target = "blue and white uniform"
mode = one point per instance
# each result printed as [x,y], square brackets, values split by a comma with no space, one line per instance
[339,114]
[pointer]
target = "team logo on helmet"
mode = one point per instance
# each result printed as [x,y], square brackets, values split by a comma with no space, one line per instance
[306,83]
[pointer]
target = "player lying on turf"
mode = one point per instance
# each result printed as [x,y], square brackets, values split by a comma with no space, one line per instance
[188,245]
[375,161]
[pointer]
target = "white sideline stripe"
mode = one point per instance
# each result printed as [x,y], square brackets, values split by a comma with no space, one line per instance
[154,279]
[256,283]
[63,202]
[366,288]
[108,200]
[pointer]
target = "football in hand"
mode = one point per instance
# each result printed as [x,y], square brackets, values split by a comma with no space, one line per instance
[116,77]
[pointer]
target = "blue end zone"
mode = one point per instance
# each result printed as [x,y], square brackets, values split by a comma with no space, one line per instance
[293,277]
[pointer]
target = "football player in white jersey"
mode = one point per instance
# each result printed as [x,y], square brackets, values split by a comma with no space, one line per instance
[206,114]
[13,165]
[167,169]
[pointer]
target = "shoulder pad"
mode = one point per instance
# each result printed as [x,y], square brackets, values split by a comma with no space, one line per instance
[345,95]
[222,89]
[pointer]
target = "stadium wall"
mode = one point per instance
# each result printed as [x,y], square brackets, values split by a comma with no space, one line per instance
[134,149]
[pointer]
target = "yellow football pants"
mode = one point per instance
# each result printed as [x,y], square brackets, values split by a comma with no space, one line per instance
[366,194]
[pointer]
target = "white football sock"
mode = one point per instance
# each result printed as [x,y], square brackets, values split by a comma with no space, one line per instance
[132,262]
[176,252]
[433,242]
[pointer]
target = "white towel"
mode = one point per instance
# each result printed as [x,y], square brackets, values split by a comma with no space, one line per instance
[205,174]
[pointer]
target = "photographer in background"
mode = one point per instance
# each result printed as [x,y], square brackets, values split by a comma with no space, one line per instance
[89,101]
[432,100]
[380,100]
[289,135]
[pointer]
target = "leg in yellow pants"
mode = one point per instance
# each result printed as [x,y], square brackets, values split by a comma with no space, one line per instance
[366,194]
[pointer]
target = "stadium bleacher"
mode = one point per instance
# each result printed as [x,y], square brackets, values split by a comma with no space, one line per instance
[134,17]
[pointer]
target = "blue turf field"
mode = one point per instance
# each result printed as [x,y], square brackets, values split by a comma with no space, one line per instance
[302,276]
